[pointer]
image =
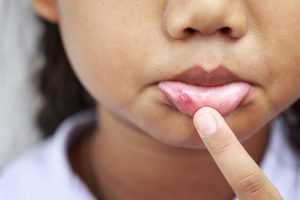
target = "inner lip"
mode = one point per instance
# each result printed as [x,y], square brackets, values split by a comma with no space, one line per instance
[188,98]
[198,76]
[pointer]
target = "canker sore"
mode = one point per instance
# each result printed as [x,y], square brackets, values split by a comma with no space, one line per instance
[185,103]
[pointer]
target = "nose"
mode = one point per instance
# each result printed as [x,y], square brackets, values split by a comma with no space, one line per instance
[206,17]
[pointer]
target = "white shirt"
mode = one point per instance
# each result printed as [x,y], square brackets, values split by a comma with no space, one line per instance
[44,173]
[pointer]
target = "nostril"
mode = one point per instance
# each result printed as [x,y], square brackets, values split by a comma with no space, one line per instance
[189,30]
[225,30]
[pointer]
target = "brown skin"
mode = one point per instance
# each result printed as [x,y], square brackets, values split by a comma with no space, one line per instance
[142,148]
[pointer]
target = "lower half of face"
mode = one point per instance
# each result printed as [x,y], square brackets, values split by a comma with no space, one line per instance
[121,51]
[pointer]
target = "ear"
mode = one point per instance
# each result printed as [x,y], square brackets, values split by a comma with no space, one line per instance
[46,9]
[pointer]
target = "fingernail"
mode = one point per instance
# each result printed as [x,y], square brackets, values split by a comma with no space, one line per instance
[206,124]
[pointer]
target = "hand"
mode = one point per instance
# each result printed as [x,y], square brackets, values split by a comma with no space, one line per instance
[240,170]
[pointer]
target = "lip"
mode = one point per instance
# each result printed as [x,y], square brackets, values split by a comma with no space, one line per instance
[195,88]
[198,76]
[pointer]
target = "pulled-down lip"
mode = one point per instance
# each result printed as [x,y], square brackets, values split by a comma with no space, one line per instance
[189,98]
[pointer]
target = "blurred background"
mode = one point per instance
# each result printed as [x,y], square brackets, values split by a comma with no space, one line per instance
[19,61]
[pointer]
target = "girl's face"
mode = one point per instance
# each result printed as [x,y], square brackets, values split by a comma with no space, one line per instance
[120,50]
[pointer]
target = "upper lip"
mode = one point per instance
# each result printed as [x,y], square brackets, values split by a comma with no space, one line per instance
[198,76]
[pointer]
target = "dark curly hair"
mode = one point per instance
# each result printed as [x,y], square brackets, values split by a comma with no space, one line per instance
[64,95]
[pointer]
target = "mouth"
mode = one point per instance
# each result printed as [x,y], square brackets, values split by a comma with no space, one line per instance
[196,88]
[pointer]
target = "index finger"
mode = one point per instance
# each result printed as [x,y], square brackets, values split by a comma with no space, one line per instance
[239,169]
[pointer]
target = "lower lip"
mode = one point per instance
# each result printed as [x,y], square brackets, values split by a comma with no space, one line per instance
[189,98]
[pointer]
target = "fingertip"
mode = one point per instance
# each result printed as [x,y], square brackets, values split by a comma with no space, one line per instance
[205,109]
[205,121]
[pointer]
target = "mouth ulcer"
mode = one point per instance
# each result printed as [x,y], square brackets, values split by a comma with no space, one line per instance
[189,98]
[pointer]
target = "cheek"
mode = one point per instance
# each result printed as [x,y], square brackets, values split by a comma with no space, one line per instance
[283,87]
[278,31]
[105,54]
